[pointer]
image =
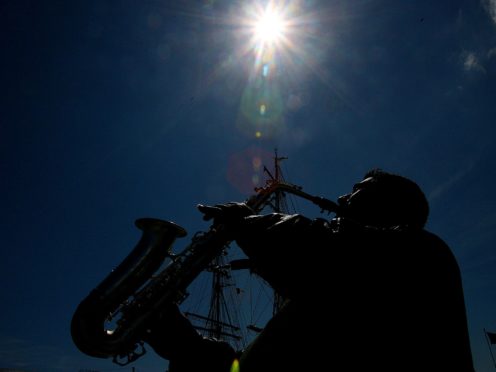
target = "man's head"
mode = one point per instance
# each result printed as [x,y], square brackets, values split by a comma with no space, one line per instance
[383,199]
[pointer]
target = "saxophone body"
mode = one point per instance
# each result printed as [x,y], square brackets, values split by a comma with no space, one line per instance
[133,293]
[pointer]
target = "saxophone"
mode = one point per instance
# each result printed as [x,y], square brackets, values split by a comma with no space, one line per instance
[133,293]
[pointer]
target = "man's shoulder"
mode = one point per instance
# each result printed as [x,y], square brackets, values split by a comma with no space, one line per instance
[428,239]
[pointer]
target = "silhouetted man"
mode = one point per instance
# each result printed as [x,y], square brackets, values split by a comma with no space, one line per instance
[368,290]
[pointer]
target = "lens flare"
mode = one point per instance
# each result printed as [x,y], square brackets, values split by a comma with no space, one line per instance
[245,169]
[278,47]
[262,109]
[235,366]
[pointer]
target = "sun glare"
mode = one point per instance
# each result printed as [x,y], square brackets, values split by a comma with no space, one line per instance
[270,27]
[274,50]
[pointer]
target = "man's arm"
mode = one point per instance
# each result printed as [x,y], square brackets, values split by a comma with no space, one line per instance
[174,338]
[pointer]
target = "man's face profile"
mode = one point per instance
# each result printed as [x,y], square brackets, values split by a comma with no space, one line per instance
[363,203]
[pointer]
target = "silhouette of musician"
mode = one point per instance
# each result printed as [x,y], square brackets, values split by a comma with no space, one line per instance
[370,289]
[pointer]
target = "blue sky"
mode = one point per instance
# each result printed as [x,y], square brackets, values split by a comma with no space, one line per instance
[113,111]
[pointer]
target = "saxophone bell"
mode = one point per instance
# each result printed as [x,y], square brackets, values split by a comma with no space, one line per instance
[88,326]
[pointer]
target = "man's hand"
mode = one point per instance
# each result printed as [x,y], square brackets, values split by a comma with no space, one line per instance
[174,338]
[170,334]
[230,213]
[230,216]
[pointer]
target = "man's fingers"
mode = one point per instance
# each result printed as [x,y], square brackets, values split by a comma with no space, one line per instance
[221,213]
[209,212]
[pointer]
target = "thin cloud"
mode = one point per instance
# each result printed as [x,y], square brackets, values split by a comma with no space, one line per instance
[471,63]
[490,6]
[491,53]
[454,179]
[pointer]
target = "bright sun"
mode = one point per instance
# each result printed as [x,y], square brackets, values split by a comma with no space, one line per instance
[270,27]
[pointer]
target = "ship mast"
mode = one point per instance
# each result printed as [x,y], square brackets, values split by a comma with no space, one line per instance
[278,204]
[222,321]
[278,201]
